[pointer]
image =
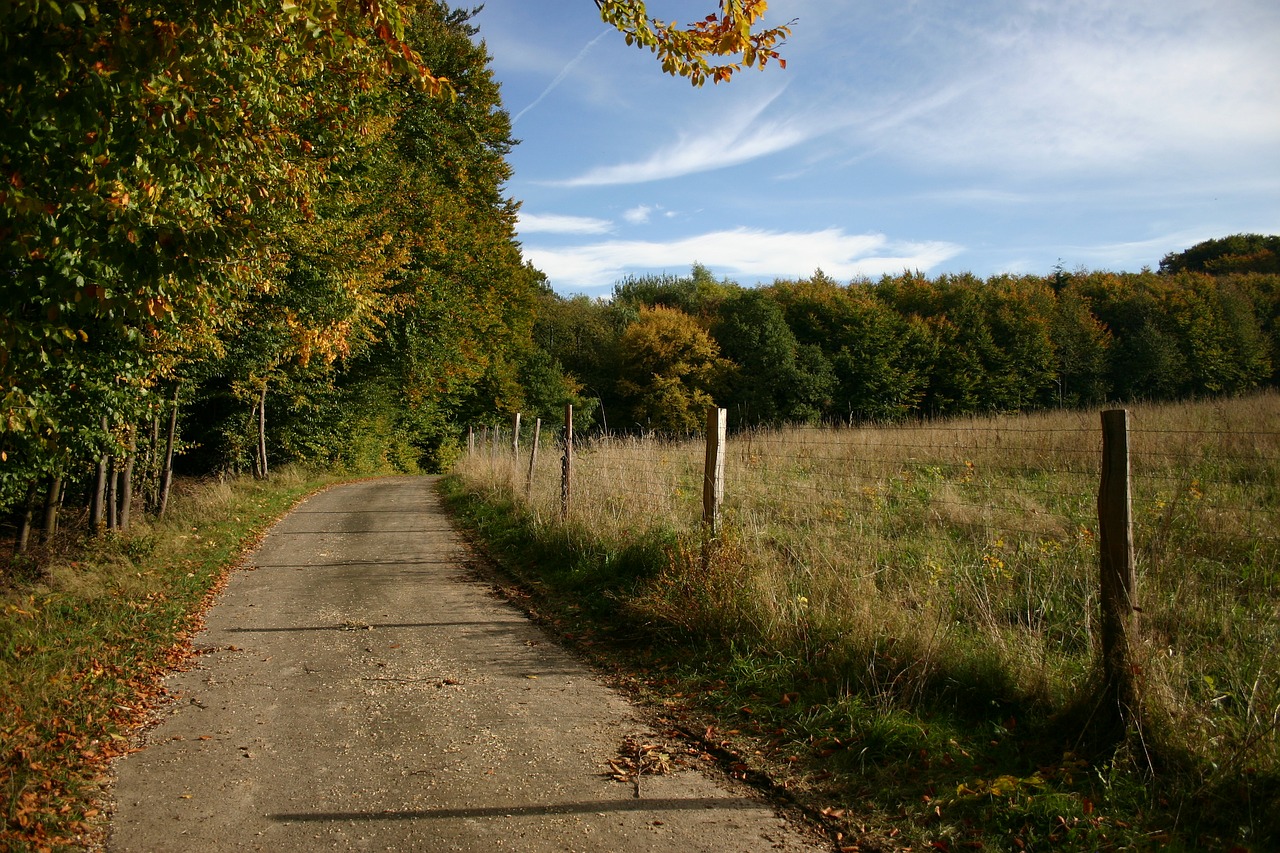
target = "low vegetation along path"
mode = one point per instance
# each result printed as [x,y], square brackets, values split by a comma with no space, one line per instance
[361,689]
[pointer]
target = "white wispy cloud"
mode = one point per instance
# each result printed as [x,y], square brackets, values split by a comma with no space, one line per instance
[554,223]
[730,140]
[748,255]
[638,215]
[1089,86]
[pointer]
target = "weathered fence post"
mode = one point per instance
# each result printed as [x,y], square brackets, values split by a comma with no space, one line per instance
[566,463]
[471,441]
[515,436]
[713,473]
[1118,578]
[533,458]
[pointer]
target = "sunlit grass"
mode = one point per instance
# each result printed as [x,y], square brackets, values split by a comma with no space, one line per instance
[955,564]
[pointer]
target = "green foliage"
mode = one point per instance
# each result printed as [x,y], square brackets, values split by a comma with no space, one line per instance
[400,307]
[909,346]
[767,381]
[1239,253]
[714,47]
[669,365]
[150,160]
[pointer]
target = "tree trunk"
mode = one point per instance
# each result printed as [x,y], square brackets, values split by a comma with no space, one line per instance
[151,467]
[262,431]
[113,480]
[28,513]
[166,473]
[51,500]
[97,503]
[126,483]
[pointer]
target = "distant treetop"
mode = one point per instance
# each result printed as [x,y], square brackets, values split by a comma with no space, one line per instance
[1235,254]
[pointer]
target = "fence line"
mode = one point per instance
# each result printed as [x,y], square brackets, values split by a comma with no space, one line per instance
[992,531]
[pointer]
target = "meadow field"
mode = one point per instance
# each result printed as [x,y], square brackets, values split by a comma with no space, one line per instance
[955,565]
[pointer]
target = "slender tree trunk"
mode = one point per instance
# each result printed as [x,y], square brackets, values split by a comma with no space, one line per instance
[52,499]
[28,513]
[113,481]
[262,430]
[257,450]
[126,483]
[97,504]
[166,473]
[151,467]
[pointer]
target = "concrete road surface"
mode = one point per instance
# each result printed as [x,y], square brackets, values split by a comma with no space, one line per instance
[365,692]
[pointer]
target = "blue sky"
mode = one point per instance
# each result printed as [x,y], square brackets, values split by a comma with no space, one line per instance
[985,136]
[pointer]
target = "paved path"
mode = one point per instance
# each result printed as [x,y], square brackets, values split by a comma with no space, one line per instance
[364,692]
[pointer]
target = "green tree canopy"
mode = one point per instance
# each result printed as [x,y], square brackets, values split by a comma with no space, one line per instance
[668,366]
[1239,253]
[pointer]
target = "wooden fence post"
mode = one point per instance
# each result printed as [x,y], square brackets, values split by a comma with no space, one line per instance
[515,436]
[471,441]
[713,473]
[566,463]
[1118,578]
[533,458]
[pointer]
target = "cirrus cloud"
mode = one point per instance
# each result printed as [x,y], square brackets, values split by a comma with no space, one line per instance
[555,223]
[748,255]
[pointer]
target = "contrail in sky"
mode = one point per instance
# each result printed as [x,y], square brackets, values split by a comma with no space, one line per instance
[564,72]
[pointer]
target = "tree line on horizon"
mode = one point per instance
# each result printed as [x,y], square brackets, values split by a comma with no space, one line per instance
[661,349]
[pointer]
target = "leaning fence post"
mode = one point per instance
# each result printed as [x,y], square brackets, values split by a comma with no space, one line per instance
[713,473]
[566,463]
[1118,578]
[533,458]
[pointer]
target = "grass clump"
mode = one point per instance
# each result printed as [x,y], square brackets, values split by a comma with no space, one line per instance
[84,641]
[904,619]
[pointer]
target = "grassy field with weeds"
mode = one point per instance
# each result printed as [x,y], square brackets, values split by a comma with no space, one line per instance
[86,635]
[898,625]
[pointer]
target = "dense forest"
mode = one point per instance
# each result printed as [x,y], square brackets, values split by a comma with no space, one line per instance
[258,239]
[909,346]
[292,235]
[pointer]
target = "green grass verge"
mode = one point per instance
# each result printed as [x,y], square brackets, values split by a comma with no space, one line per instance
[889,754]
[84,645]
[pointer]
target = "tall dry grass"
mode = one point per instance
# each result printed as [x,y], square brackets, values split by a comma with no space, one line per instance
[959,558]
